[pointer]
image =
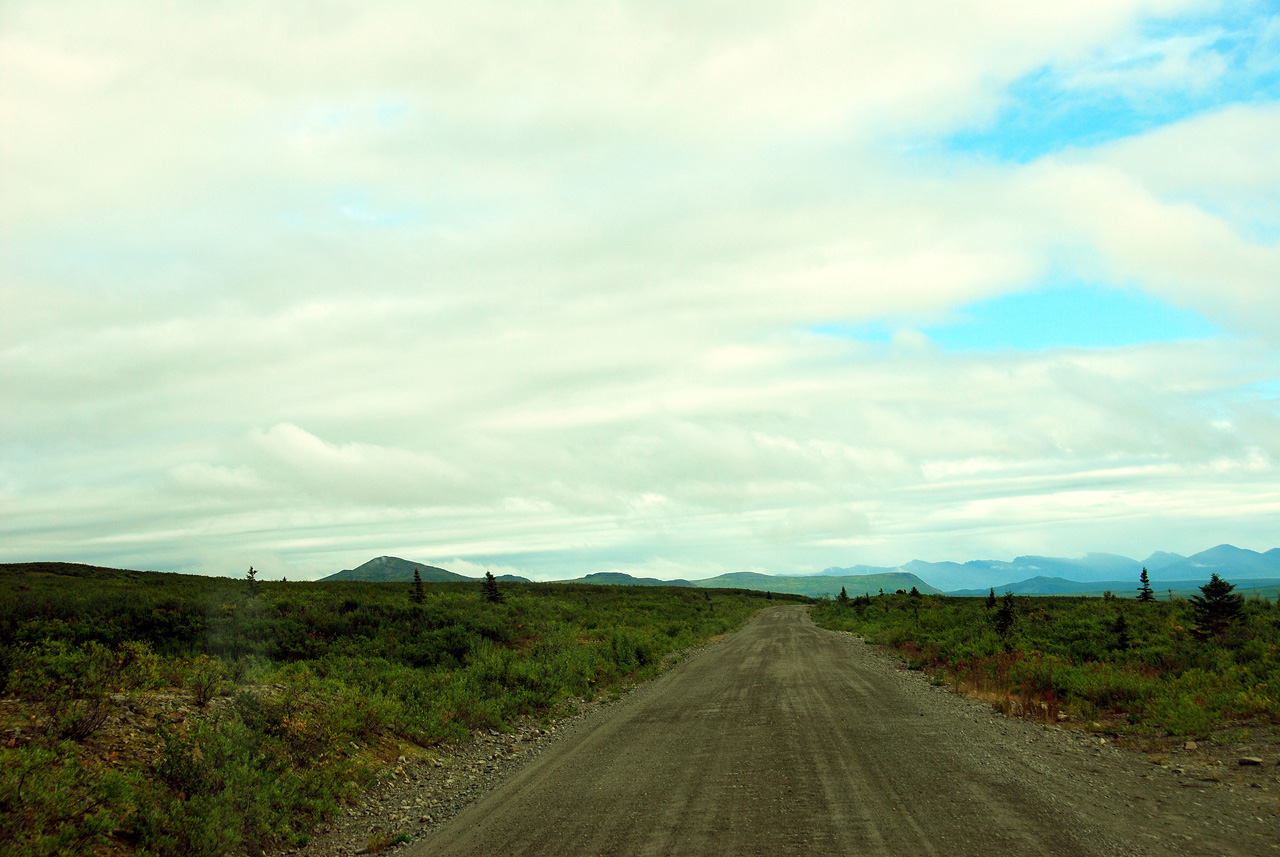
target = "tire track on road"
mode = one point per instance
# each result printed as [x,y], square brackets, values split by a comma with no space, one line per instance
[775,741]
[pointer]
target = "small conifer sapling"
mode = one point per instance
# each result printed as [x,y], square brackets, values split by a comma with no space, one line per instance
[417,596]
[1216,609]
[1005,617]
[489,586]
[1145,593]
[1121,629]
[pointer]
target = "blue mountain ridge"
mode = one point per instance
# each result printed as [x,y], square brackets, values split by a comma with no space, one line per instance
[1119,588]
[1093,572]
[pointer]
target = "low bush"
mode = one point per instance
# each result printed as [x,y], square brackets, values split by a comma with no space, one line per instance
[1139,666]
[279,695]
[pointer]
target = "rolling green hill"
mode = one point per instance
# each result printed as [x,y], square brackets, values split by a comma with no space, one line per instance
[392,569]
[618,578]
[819,585]
[68,569]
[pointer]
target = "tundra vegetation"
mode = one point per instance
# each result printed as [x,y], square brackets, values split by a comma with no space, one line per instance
[1179,667]
[160,714]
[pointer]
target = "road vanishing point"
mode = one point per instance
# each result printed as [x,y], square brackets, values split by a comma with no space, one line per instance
[788,739]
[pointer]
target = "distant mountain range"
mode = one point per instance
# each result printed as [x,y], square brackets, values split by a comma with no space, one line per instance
[1091,574]
[818,586]
[391,569]
[1122,588]
[1099,570]
[1252,573]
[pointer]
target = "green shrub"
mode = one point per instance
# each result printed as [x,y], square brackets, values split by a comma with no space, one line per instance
[1067,652]
[51,803]
[315,673]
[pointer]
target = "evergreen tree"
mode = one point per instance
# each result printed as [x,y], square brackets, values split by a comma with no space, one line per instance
[252,577]
[489,586]
[844,596]
[1145,594]
[991,599]
[1005,616]
[417,596]
[1216,609]
[1121,629]
[915,592]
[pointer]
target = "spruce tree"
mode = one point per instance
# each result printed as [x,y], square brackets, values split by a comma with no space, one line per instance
[844,596]
[489,586]
[1145,593]
[991,598]
[252,577]
[1121,629]
[1216,609]
[417,596]
[1005,616]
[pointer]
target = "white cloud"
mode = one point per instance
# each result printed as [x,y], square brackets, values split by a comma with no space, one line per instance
[1222,162]
[362,473]
[536,287]
[824,522]
[1184,63]
[1170,247]
[221,480]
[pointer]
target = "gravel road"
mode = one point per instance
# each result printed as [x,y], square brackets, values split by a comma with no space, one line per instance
[788,739]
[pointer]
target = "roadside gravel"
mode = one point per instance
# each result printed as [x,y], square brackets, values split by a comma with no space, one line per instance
[1142,797]
[419,792]
[893,762]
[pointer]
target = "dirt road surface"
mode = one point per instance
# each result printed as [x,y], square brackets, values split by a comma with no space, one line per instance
[787,739]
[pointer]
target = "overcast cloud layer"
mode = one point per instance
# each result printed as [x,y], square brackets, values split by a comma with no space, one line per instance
[567,287]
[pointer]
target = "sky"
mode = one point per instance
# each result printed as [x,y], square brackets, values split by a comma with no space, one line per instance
[670,289]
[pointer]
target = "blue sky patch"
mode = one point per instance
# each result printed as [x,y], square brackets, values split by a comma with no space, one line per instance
[1067,316]
[1177,69]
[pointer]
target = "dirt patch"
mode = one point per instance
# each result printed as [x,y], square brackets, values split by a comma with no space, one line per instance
[1150,794]
[786,739]
[421,789]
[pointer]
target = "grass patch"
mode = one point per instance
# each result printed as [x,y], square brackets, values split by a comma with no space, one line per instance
[164,714]
[1114,665]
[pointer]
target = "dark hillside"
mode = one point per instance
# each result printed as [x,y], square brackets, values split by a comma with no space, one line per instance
[617,578]
[392,569]
[69,570]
